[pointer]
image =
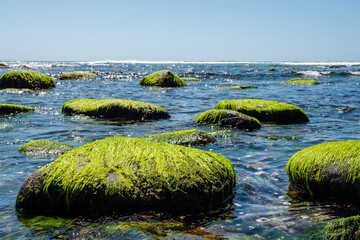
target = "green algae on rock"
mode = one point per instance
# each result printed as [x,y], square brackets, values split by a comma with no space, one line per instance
[6,108]
[129,175]
[118,109]
[163,78]
[327,169]
[301,81]
[192,137]
[44,147]
[228,118]
[237,87]
[343,228]
[77,75]
[26,79]
[189,79]
[266,111]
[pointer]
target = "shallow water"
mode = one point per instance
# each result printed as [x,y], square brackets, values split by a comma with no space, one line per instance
[261,207]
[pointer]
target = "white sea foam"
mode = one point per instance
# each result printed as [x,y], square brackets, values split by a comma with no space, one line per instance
[310,73]
[356,73]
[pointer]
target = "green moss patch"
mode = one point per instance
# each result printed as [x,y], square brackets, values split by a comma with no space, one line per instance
[128,175]
[300,81]
[237,87]
[327,169]
[343,228]
[117,109]
[44,147]
[228,118]
[77,75]
[266,111]
[189,79]
[192,137]
[26,79]
[6,108]
[163,78]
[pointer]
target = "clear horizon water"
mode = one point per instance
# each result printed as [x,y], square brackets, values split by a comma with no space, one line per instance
[262,207]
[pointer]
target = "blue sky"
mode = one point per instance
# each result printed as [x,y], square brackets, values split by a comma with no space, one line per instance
[189,30]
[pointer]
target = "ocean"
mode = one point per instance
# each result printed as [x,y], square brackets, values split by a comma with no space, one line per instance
[262,206]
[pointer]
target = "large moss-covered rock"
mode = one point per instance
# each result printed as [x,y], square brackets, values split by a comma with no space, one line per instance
[26,79]
[77,75]
[301,81]
[192,137]
[6,108]
[228,118]
[343,229]
[44,147]
[237,87]
[127,175]
[118,109]
[327,169]
[163,78]
[266,111]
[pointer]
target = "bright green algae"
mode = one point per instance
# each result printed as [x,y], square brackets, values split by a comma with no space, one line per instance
[266,111]
[129,174]
[77,75]
[192,137]
[327,169]
[6,108]
[343,229]
[115,109]
[228,118]
[44,147]
[237,87]
[163,78]
[189,79]
[300,81]
[26,79]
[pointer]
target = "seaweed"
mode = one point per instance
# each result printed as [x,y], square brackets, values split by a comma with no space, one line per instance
[26,79]
[343,228]
[266,111]
[301,81]
[129,174]
[237,87]
[163,78]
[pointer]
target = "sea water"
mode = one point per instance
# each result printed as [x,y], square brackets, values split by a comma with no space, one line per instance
[262,206]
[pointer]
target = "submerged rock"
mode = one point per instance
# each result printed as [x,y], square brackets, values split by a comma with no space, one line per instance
[237,87]
[327,169]
[26,79]
[343,228]
[190,79]
[117,109]
[6,108]
[228,118]
[270,70]
[77,75]
[266,111]
[16,90]
[163,78]
[192,137]
[44,147]
[129,175]
[301,81]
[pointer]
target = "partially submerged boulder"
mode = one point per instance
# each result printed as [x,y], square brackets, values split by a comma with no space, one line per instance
[6,108]
[191,137]
[117,109]
[266,111]
[163,78]
[270,70]
[237,87]
[343,228]
[26,79]
[129,175]
[3,65]
[77,75]
[327,169]
[301,81]
[190,79]
[228,118]
[44,148]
